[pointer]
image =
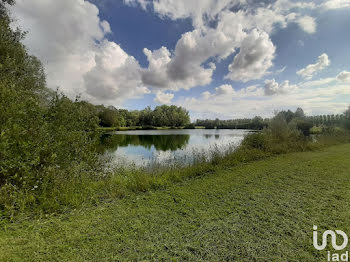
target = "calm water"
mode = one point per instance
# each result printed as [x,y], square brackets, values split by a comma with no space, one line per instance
[161,146]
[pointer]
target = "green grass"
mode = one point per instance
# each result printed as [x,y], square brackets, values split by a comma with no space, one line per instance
[258,211]
[106,129]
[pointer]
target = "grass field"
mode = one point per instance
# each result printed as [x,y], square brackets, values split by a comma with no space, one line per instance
[259,211]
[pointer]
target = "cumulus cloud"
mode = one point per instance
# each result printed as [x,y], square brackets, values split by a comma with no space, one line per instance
[218,32]
[163,98]
[206,95]
[344,76]
[142,3]
[322,96]
[254,58]
[198,10]
[69,38]
[321,63]
[186,67]
[336,4]
[255,14]
[225,90]
[307,23]
[113,74]
[80,59]
[250,101]
[319,82]
[165,72]
[271,87]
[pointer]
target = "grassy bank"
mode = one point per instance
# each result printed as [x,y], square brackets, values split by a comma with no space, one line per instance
[261,211]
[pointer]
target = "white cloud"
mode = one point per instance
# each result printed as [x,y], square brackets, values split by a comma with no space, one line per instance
[225,90]
[322,96]
[336,4]
[308,72]
[344,76]
[307,23]
[249,103]
[163,98]
[260,15]
[80,59]
[318,83]
[115,75]
[185,68]
[206,95]
[198,10]
[248,28]
[142,3]
[106,27]
[69,38]
[279,71]
[271,87]
[254,58]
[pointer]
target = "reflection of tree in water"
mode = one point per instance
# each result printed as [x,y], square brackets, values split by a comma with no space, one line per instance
[160,142]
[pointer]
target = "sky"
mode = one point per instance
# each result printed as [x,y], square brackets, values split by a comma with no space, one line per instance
[217,58]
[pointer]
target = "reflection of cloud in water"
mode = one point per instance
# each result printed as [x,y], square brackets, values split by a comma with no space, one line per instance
[169,146]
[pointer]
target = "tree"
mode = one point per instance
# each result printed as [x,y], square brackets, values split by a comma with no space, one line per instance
[42,132]
[299,113]
[347,113]
[346,120]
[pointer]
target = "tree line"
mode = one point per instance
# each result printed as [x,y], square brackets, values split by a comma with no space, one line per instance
[298,118]
[256,123]
[170,116]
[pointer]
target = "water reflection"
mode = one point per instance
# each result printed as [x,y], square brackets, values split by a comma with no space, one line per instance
[160,143]
[163,146]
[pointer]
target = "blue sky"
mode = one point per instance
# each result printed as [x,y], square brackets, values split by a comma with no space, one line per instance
[226,59]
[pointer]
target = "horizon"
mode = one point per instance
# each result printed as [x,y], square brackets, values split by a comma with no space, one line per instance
[229,59]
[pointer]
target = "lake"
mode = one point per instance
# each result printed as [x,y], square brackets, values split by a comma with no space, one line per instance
[142,147]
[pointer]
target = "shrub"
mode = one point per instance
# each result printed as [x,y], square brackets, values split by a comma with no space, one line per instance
[190,126]
[255,140]
[304,126]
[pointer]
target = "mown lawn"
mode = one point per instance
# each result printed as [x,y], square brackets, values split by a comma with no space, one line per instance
[260,211]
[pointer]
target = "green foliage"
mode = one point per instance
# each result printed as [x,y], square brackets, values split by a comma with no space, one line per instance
[255,140]
[304,126]
[42,133]
[109,117]
[256,123]
[190,126]
[165,116]
[170,116]
[346,120]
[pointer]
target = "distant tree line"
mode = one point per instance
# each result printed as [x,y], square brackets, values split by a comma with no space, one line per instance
[297,118]
[170,116]
[256,123]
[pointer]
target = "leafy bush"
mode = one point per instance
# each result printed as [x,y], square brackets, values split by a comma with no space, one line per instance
[42,133]
[304,126]
[255,140]
[190,126]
